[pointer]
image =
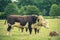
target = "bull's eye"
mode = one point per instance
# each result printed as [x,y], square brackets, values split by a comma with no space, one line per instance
[38,20]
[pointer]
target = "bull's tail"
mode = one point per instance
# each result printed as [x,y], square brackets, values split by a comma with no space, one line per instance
[5,22]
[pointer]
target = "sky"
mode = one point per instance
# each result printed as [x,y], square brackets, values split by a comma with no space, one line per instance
[13,0]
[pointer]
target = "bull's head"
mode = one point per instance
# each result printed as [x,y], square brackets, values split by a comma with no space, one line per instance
[43,22]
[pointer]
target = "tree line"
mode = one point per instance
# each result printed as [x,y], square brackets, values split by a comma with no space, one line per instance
[30,7]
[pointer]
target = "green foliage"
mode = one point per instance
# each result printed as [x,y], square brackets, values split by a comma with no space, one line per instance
[44,12]
[11,9]
[29,10]
[24,2]
[41,4]
[1,15]
[55,10]
[41,7]
[3,4]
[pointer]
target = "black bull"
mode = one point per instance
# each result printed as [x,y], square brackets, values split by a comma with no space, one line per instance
[11,19]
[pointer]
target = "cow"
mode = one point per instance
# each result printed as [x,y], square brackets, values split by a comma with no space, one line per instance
[24,21]
[11,19]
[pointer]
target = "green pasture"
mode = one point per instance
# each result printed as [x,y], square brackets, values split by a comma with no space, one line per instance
[54,25]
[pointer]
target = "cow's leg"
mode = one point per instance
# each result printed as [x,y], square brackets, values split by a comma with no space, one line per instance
[22,29]
[35,29]
[30,29]
[38,30]
[26,29]
[9,29]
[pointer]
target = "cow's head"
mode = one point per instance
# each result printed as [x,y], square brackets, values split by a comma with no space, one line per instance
[40,18]
[43,22]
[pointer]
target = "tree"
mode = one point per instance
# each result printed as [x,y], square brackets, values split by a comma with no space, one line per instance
[24,2]
[55,10]
[11,9]
[44,12]
[41,4]
[29,10]
[3,4]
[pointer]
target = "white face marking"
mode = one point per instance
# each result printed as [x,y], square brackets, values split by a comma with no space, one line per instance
[46,24]
[43,23]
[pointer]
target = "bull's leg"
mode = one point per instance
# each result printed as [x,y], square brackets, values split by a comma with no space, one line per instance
[38,30]
[30,29]
[22,29]
[35,29]
[9,29]
[26,29]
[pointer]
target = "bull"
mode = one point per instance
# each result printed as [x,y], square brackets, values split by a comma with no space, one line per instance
[11,19]
[24,21]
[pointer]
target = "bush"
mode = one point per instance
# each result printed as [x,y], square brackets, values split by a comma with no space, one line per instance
[29,10]
[55,10]
[1,15]
[11,9]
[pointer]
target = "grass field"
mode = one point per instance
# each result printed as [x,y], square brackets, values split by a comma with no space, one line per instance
[54,25]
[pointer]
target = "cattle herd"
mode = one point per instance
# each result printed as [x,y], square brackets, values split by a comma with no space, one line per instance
[28,22]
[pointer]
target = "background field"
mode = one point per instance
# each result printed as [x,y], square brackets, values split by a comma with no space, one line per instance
[54,25]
